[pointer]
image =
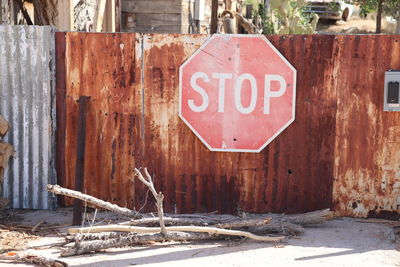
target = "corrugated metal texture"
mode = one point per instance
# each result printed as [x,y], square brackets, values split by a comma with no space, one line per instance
[133,121]
[27,94]
[367,150]
[293,174]
[105,67]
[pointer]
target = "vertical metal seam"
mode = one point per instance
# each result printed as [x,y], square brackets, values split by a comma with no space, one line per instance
[142,36]
[51,199]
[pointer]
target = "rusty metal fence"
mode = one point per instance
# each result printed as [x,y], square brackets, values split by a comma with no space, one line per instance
[342,151]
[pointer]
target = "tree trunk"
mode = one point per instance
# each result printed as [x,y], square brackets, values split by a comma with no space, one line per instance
[379,17]
[214,17]
[398,23]
[267,7]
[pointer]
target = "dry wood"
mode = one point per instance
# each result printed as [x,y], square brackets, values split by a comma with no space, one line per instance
[236,223]
[56,189]
[3,201]
[93,236]
[37,226]
[33,258]
[206,216]
[4,125]
[309,218]
[196,229]
[109,16]
[148,181]
[247,24]
[244,223]
[277,227]
[168,221]
[99,15]
[6,151]
[95,245]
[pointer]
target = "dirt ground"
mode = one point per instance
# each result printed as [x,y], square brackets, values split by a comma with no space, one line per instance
[339,242]
[355,25]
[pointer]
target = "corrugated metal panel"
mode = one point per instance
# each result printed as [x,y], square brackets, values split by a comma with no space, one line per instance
[340,142]
[27,101]
[105,67]
[367,149]
[133,121]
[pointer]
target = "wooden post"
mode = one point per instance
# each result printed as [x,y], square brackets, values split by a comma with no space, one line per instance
[109,16]
[118,19]
[99,15]
[80,158]
[214,17]
[65,10]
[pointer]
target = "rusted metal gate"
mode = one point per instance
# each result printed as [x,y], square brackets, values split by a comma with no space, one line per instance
[133,121]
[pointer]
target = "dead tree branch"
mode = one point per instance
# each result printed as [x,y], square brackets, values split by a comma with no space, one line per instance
[236,223]
[95,245]
[286,228]
[33,258]
[56,189]
[148,181]
[196,229]
[309,218]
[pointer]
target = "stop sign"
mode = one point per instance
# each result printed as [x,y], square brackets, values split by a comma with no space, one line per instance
[237,93]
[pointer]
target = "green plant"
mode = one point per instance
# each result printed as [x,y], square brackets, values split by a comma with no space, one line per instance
[289,17]
[266,21]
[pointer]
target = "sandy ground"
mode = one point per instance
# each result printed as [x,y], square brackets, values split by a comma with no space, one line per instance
[355,25]
[340,242]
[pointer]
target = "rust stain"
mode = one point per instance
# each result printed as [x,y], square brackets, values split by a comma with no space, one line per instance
[367,147]
[103,66]
[341,151]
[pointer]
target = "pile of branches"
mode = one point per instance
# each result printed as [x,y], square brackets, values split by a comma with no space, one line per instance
[144,229]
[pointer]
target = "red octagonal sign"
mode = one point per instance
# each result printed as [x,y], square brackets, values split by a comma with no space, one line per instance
[237,93]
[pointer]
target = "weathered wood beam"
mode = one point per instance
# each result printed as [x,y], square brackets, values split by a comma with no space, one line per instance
[99,15]
[65,9]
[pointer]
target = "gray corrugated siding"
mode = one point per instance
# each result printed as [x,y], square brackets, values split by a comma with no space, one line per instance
[27,101]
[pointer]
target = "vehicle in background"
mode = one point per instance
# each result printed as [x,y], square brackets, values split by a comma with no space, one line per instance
[330,9]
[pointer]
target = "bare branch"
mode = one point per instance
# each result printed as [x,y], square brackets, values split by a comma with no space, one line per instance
[196,229]
[56,189]
[158,196]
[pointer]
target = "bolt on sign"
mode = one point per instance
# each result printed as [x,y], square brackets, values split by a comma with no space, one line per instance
[237,93]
